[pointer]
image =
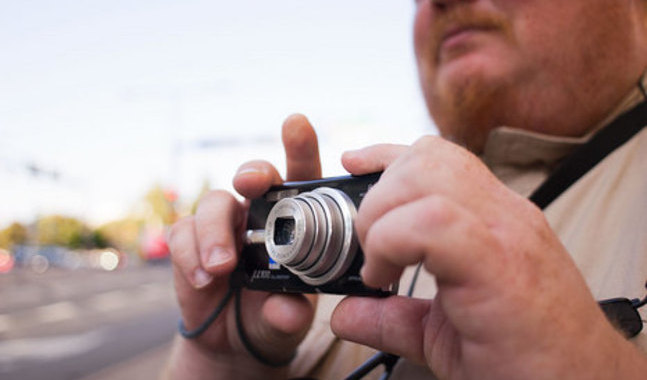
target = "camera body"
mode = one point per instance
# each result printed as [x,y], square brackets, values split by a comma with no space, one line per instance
[301,238]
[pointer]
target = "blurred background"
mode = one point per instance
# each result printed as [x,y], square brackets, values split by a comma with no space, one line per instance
[116,116]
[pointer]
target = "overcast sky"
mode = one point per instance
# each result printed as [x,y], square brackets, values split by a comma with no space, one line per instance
[116,96]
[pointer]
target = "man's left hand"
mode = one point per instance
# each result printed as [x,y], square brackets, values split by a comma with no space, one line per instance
[510,303]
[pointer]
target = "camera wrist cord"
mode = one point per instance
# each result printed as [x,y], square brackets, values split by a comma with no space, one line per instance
[234,290]
[576,165]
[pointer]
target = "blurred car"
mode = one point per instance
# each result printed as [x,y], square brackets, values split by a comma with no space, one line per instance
[154,248]
[40,258]
[7,261]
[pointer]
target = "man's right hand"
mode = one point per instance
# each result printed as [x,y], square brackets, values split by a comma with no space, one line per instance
[205,248]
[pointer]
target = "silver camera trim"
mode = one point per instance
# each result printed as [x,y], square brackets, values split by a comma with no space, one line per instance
[324,243]
[301,212]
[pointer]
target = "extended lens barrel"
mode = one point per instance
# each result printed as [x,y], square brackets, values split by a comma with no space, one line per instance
[312,234]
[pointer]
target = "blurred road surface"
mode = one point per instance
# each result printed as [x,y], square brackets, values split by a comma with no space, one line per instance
[86,323]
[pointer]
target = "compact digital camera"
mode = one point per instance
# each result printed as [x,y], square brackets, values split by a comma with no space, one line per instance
[301,238]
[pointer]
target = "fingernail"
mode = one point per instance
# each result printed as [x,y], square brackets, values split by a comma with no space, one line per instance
[218,256]
[349,153]
[248,170]
[201,278]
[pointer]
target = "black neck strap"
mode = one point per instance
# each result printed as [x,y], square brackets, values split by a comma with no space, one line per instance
[603,143]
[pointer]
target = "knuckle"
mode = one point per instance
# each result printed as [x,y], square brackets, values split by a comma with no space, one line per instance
[427,140]
[437,210]
[215,196]
[181,255]
[428,143]
[179,228]
[214,205]
[375,240]
[536,220]
[217,221]
[363,219]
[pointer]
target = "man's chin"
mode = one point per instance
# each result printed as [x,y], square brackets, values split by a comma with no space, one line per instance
[472,66]
[467,97]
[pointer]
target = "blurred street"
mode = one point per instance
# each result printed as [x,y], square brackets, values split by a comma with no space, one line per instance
[86,323]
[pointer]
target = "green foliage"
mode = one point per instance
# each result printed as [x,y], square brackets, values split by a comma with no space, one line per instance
[160,209]
[206,186]
[98,240]
[161,204]
[16,233]
[61,230]
[68,232]
[123,234]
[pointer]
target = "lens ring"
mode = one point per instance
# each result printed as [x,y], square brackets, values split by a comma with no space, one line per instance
[329,254]
[349,241]
[304,234]
[335,242]
[322,233]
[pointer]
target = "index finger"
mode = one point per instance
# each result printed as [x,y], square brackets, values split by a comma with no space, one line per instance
[254,178]
[301,149]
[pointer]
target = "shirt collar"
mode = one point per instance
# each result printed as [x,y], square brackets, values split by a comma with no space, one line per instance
[518,147]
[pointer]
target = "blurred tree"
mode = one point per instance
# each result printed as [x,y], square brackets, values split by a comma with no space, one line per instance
[61,230]
[123,234]
[16,233]
[99,240]
[161,205]
[206,187]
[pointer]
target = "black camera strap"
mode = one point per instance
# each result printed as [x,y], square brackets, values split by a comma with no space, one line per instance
[587,156]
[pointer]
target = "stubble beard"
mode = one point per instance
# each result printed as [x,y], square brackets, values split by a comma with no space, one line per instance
[467,105]
[464,110]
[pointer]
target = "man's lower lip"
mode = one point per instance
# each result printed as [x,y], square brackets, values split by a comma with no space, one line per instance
[458,43]
[459,38]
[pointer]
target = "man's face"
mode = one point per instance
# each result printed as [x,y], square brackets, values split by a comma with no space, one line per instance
[544,65]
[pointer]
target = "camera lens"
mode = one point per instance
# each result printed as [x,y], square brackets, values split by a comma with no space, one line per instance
[312,235]
[284,231]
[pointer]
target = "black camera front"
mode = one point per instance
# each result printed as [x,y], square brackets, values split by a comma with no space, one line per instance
[301,238]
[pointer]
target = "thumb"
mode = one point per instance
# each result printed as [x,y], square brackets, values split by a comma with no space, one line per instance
[394,324]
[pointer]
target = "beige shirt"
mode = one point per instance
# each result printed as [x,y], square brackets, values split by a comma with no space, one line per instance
[604,230]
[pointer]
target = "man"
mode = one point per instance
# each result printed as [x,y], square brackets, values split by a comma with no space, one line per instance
[506,291]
